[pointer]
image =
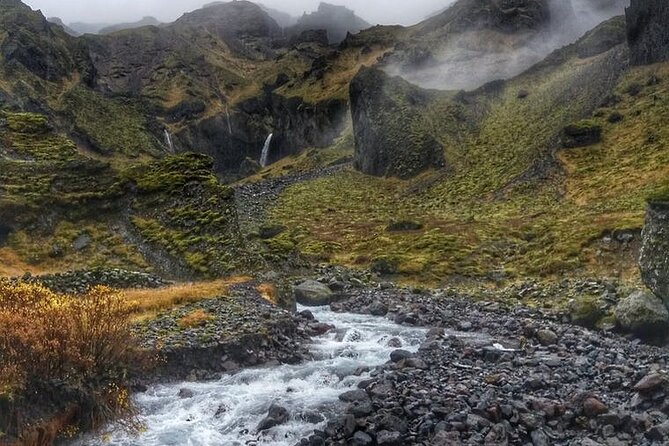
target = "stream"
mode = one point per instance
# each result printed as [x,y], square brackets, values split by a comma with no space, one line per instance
[227,412]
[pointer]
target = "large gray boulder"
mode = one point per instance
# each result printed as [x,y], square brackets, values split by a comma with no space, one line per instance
[313,294]
[643,314]
[654,260]
[647,31]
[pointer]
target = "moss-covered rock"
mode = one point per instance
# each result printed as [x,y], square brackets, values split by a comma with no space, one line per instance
[581,134]
[643,314]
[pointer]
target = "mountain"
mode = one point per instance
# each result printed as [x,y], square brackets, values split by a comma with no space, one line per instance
[88,28]
[219,80]
[337,20]
[67,29]
[146,21]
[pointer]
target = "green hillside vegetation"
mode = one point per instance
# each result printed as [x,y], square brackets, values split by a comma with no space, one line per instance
[514,203]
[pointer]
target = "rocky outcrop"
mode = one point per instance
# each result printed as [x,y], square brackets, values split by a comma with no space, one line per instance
[338,21]
[654,260]
[647,31]
[391,138]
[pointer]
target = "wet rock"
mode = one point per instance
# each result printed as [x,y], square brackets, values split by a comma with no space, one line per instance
[313,294]
[276,416]
[643,314]
[389,438]
[361,439]
[398,355]
[186,393]
[354,395]
[378,309]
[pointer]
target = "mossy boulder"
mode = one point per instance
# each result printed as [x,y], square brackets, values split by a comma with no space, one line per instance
[586,311]
[581,134]
[390,129]
[313,294]
[643,314]
[654,259]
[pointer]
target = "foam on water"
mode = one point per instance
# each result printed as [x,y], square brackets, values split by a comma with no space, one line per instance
[226,412]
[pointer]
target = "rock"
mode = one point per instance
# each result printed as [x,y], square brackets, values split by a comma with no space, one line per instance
[585,311]
[592,407]
[659,432]
[581,134]
[547,337]
[82,242]
[654,260]
[539,438]
[444,438]
[276,416]
[651,382]
[643,314]
[361,439]
[647,32]
[186,393]
[386,111]
[313,294]
[378,309]
[353,396]
[497,436]
[398,355]
[389,438]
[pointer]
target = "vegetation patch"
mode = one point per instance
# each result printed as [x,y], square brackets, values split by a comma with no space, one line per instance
[59,352]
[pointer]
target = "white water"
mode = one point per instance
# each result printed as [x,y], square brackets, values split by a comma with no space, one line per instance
[168,141]
[264,158]
[246,397]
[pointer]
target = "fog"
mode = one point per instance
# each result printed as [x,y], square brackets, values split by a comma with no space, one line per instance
[470,60]
[105,11]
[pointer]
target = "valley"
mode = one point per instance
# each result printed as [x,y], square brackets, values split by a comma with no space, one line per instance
[455,232]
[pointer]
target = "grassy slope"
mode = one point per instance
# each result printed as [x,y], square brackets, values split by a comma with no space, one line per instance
[481,218]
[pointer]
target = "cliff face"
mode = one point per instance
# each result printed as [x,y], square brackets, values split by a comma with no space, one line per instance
[388,126]
[654,259]
[647,31]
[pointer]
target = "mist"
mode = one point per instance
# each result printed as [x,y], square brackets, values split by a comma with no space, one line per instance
[103,11]
[469,60]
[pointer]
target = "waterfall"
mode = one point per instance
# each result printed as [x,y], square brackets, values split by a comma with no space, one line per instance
[227,113]
[264,158]
[168,141]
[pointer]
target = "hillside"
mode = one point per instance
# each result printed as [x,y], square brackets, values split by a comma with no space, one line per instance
[492,202]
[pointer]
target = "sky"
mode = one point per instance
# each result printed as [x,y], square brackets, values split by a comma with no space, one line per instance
[115,11]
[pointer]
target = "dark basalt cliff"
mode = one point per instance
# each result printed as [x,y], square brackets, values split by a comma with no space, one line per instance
[648,31]
[388,122]
[655,250]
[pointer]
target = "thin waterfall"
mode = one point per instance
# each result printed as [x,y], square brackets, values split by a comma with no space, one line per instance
[168,141]
[227,113]
[264,158]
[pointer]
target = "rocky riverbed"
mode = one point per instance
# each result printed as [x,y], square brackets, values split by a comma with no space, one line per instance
[495,375]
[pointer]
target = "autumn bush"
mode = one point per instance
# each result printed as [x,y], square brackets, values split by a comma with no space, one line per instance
[80,346]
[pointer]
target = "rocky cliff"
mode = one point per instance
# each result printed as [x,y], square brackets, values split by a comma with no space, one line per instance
[338,21]
[654,259]
[389,126]
[647,31]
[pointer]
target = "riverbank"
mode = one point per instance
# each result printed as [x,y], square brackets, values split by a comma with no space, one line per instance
[497,375]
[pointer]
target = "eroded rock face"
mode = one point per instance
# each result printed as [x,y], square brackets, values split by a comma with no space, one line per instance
[647,31]
[388,124]
[654,259]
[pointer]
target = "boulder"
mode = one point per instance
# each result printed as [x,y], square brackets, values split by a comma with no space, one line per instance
[390,129]
[643,314]
[654,260]
[313,294]
[647,31]
[276,416]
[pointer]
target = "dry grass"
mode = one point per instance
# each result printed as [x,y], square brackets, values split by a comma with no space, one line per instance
[152,301]
[196,318]
[268,292]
